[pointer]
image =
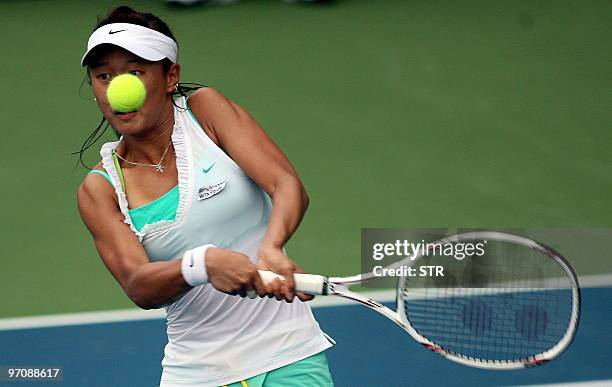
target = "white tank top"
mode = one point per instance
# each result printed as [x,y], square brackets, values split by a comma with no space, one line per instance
[214,338]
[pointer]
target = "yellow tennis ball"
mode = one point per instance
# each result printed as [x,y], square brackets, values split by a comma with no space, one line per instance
[126,93]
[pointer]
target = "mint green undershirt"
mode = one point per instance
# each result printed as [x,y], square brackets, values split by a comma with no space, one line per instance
[162,208]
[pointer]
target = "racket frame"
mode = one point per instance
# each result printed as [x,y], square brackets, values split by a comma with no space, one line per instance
[339,286]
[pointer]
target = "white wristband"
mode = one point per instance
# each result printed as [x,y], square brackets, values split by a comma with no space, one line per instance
[193,266]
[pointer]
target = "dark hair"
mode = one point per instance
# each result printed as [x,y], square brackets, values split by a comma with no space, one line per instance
[125,14]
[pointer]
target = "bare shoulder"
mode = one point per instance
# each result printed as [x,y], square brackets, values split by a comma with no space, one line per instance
[208,98]
[95,193]
[212,110]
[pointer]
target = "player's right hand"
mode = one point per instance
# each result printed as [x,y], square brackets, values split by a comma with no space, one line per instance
[232,272]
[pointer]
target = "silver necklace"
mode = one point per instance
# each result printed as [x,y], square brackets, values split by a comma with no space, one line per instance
[158,167]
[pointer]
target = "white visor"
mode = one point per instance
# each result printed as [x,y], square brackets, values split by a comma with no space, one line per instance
[144,42]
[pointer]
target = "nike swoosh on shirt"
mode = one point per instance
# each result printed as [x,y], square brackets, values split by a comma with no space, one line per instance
[206,170]
[114,32]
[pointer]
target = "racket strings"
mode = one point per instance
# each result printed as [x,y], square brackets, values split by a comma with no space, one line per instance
[500,307]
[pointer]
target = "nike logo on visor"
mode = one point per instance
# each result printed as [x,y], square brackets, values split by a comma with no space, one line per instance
[114,32]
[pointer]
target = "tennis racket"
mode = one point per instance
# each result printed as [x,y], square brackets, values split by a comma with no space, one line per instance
[515,306]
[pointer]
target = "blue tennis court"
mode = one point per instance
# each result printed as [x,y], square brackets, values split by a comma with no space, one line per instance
[370,351]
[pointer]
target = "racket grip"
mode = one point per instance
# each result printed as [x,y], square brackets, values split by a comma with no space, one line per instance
[304,283]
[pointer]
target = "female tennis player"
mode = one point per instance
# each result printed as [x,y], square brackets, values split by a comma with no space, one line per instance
[180,212]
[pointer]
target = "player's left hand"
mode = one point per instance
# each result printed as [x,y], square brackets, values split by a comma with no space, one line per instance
[273,259]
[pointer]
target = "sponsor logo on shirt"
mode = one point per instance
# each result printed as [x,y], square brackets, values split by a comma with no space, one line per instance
[211,190]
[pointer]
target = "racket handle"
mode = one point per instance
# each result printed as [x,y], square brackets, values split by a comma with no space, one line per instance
[304,283]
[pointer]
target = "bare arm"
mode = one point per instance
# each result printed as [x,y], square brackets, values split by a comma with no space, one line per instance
[247,143]
[151,285]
